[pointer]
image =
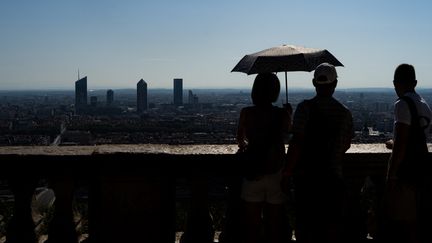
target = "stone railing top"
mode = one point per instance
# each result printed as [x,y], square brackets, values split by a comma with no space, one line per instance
[119,148]
[155,149]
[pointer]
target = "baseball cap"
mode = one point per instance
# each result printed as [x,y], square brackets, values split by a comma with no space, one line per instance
[325,73]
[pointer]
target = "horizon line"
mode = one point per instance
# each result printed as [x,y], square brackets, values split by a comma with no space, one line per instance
[200,88]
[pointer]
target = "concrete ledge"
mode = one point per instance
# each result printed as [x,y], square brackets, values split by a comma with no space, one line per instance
[155,149]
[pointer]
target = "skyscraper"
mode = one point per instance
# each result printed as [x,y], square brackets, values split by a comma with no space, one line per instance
[141,96]
[178,91]
[80,95]
[192,98]
[110,97]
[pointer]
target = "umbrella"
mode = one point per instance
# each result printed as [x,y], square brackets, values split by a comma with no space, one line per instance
[285,58]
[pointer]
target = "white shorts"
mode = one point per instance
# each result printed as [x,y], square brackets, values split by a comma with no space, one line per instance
[266,189]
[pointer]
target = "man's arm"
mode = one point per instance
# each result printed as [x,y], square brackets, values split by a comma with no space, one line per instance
[296,143]
[293,154]
[241,130]
[346,143]
[401,134]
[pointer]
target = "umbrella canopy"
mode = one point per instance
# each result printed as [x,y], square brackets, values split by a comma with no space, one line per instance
[285,58]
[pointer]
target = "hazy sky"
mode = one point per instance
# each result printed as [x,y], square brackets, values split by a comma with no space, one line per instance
[117,42]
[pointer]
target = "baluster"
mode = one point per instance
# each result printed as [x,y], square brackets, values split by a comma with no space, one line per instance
[21,226]
[199,226]
[62,226]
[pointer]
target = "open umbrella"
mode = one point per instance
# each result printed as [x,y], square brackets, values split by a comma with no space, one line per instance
[285,58]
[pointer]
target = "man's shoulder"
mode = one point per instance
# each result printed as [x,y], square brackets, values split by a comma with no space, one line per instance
[303,106]
[310,102]
[302,103]
[338,105]
[402,107]
[411,96]
[401,102]
[331,103]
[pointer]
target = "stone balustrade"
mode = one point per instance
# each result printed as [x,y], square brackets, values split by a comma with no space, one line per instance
[132,189]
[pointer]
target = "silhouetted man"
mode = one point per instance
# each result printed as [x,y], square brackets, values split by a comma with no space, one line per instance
[322,132]
[408,194]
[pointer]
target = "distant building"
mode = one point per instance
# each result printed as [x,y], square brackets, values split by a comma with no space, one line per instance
[192,98]
[81,95]
[141,96]
[382,107]
[178,91]
[93,101]
[110,97]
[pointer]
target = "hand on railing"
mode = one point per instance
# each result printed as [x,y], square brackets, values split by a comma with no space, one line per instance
[389,144]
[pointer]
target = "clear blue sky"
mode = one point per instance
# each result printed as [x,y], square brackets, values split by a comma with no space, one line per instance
[115,43]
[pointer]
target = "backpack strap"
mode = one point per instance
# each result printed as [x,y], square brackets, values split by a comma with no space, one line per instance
[415,118]
[413,166]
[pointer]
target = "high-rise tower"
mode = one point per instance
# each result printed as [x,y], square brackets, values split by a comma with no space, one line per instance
[192,98]
[141,96]
[110,97]
[80,95]
[178,91]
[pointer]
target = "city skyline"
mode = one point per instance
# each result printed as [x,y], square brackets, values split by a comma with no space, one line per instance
[49,118]
[115,43]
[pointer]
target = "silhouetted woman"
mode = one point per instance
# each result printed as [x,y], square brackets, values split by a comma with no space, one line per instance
[261,136]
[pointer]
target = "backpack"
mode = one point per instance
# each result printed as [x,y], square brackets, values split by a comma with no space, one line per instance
[414,165]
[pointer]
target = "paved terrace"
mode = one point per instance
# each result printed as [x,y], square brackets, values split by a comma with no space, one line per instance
[132,189]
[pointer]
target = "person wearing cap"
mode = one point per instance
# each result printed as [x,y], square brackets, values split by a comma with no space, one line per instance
[408,187]
[322,132]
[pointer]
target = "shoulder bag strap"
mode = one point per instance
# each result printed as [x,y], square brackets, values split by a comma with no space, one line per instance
[415,119]
[412,108]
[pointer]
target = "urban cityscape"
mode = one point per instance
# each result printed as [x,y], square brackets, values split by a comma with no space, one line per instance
[163,116]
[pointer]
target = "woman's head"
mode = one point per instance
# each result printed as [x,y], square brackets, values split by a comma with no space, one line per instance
[265,89]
